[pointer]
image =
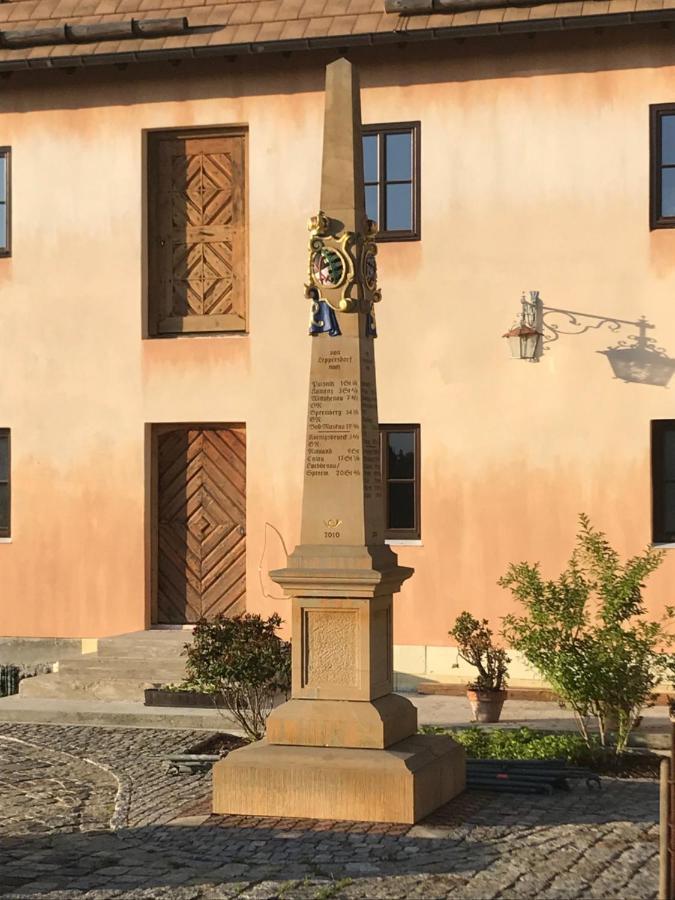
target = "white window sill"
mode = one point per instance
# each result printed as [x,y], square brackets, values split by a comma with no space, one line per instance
[395,542]
[5,540]
[662,546]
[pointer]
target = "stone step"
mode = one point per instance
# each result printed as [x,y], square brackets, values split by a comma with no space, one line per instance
[165,670]
[89,687]
[117,714]
[152,644]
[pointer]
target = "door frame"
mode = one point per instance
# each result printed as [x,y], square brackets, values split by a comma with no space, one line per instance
[153,431]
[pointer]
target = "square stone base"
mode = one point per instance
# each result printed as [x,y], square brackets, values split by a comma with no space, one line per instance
[403,783]
[343,723]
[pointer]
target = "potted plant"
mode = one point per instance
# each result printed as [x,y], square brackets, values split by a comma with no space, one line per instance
[474,644]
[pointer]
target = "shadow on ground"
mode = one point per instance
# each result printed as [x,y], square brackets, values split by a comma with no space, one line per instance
[215,855]
[206,857]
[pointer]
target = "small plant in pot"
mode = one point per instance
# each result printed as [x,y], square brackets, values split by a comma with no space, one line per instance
[475,646]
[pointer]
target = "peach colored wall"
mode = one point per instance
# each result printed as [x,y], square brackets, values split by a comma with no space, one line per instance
[534,175]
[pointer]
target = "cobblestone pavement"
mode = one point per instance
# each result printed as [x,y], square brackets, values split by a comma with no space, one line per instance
[56,804]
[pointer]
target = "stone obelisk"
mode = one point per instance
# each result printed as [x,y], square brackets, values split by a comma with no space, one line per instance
[344,746]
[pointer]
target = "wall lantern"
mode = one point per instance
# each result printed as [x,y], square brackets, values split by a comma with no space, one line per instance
[525,335]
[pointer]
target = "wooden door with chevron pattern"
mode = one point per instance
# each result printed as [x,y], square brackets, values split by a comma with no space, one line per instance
[201,521]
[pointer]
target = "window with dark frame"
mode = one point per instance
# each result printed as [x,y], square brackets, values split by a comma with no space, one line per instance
[662,166]
[4,483]
[391,168]
[5,205]
[663,481]
[400,460]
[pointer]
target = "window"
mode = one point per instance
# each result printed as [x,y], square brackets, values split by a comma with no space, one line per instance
[5,207]
[400,455]
[4,483]
[391,168]
[662,163]
[197,265]
[663,481]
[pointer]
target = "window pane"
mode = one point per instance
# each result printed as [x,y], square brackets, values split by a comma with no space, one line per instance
[669,455]
[4,507]
[3,226]
[372,194]
[402,505]
[4,458]
[370,157]
[398,150]
[668,192]
[399,206]
[401,454]
[667,139]
[669,511]
[3,178]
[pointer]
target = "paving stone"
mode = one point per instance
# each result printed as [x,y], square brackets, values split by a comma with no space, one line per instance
[86,815]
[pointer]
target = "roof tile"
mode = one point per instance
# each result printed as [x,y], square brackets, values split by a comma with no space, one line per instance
[293,29]
[289,9]
[594,7]
[13,11]
[270,31]
[359,6]
[242,13]
[546,11]
[465,18]
[622,6]
[319,27]
[644,5]
[519,13]
[368,23]
[564,10]
[344,24]
[219,15]
[387,23]
[264,11]
[489,16]
[312,8]
[245,34]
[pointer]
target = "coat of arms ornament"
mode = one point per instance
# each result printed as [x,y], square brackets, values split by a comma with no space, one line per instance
[342,274]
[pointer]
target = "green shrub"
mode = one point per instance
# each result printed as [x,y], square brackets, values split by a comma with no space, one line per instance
[474,645]
[586,632]
[244,663]
[524,743]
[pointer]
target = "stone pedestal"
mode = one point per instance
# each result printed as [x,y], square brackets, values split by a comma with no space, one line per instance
[401,784]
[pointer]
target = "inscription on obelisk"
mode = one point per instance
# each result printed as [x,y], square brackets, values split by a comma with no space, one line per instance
[343,488]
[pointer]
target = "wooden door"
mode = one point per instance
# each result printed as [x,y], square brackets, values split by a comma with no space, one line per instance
[201,522]
[197,233]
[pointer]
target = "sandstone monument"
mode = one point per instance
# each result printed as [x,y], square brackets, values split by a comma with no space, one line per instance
[344,746]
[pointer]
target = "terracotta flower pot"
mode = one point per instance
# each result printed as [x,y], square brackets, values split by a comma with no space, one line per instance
[486,705]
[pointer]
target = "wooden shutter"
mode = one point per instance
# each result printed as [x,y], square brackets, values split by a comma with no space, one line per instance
[197,234]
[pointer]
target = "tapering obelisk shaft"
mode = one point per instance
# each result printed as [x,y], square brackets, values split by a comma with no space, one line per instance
[342,500]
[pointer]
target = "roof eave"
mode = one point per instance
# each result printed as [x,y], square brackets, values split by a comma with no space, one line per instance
[520,26]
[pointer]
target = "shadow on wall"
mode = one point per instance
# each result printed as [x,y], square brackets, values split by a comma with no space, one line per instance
[638,359]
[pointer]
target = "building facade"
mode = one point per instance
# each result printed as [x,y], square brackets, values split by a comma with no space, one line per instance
[154,331]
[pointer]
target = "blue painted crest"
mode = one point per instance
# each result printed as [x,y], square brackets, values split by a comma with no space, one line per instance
[322,319]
